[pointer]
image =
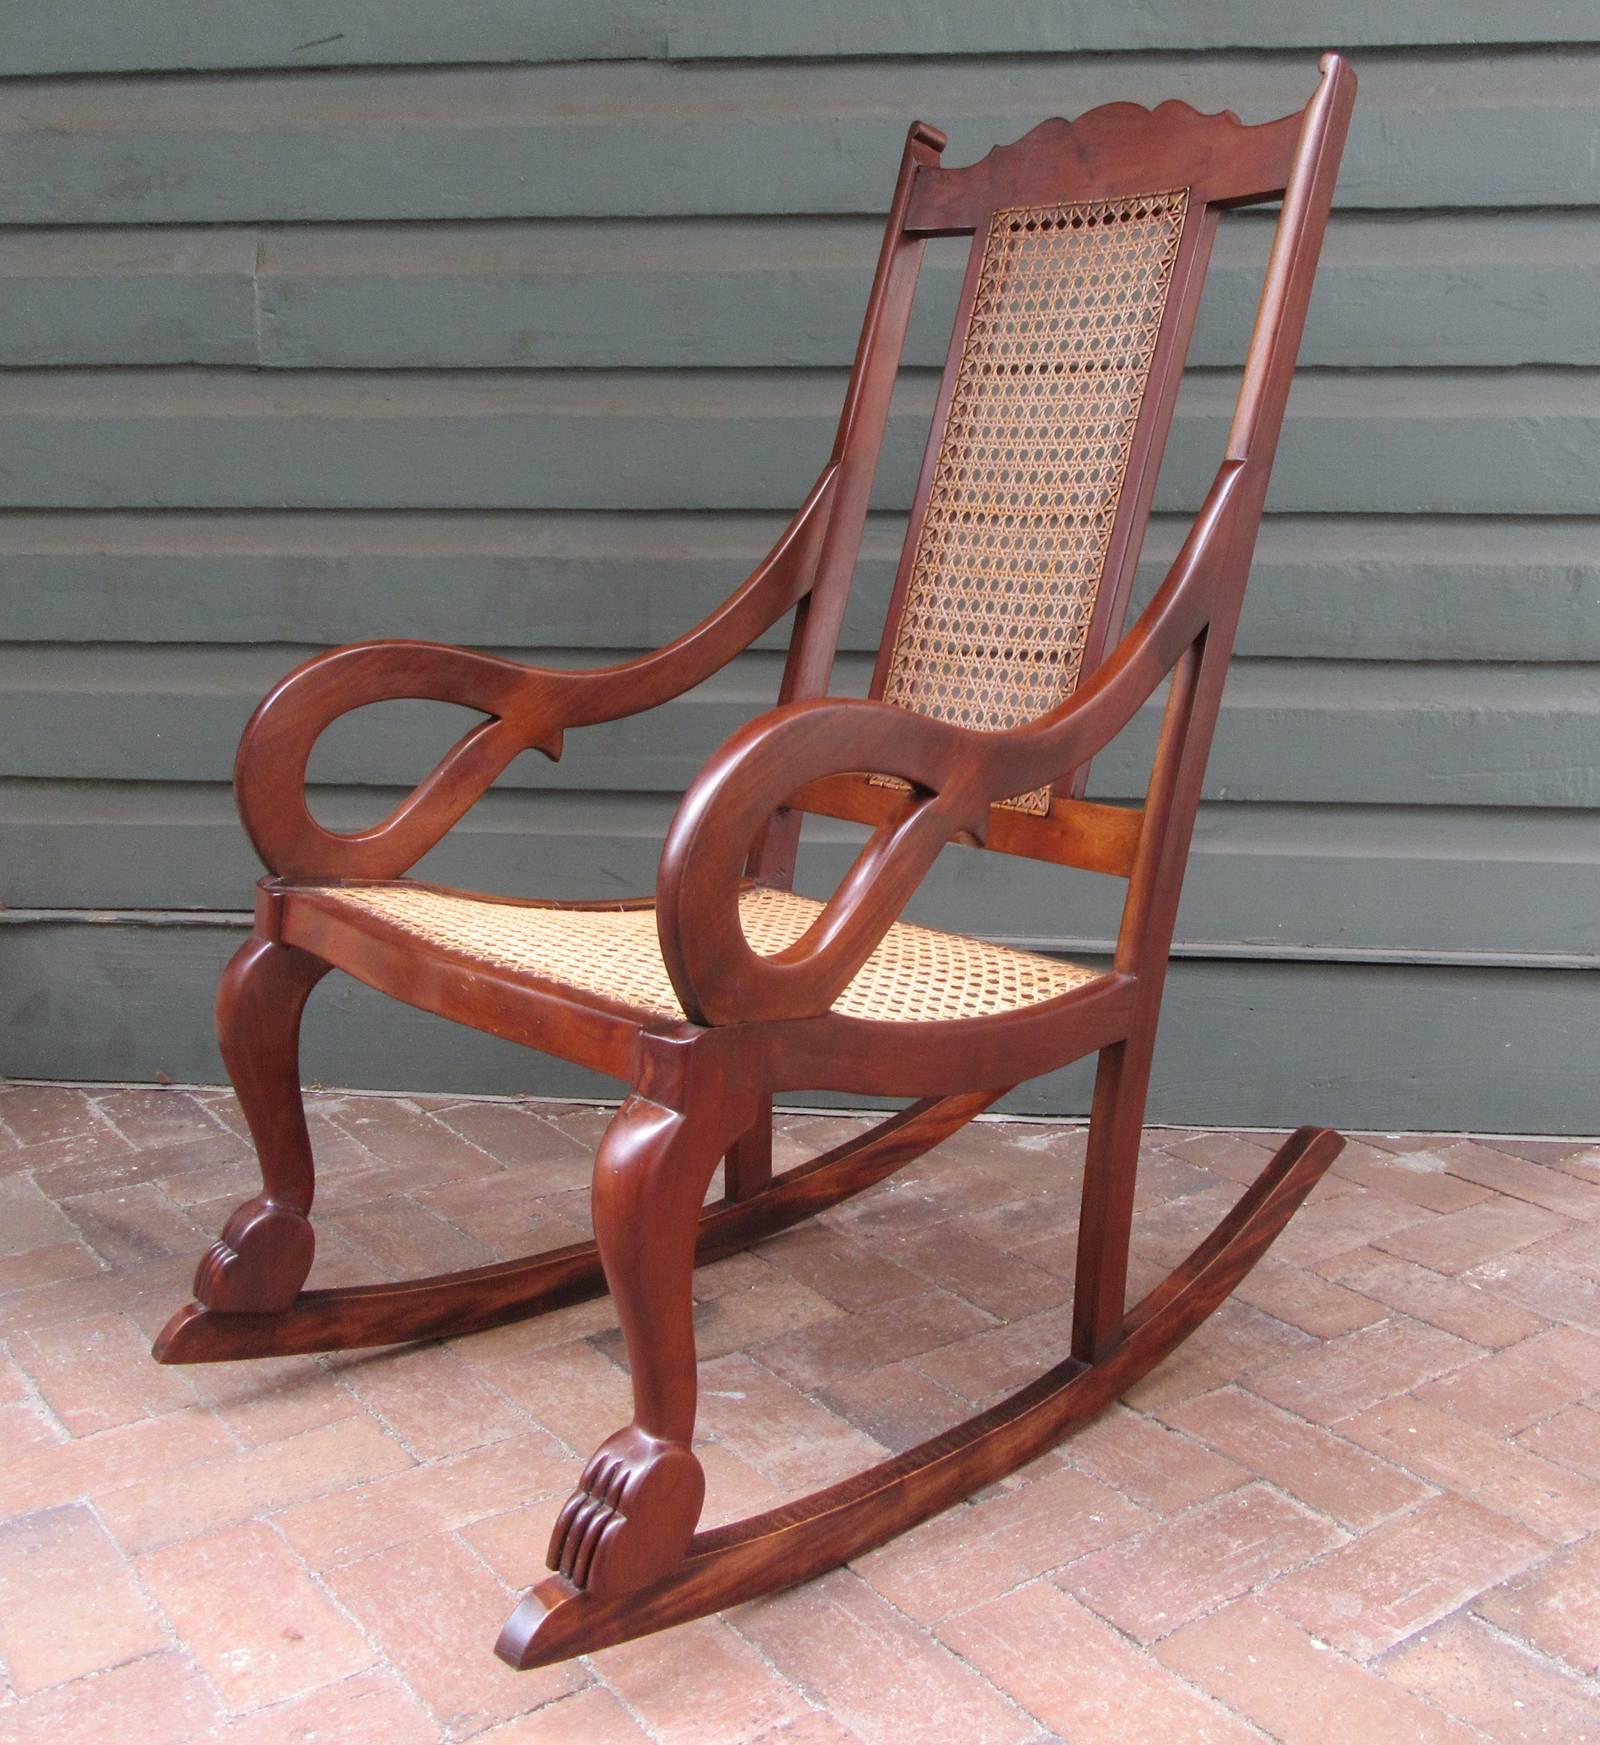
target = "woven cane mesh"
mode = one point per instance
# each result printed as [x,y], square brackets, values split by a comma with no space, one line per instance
[916,974]
[1032,459]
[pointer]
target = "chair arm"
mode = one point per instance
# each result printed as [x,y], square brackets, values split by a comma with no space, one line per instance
[529,708]
[956,774]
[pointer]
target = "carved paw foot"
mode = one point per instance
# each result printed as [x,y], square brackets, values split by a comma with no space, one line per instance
[259,1262]
[632,1515]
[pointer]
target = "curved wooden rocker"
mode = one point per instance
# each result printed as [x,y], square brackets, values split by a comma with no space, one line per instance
[791,1544]
[453,1303]
[1000,676]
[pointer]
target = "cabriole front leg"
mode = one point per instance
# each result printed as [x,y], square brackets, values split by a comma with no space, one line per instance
[262,1258]
[636,1505]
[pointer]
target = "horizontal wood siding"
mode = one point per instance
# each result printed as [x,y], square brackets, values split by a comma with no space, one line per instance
[525,327]
[711,294]
[610,140]
[1241,1038]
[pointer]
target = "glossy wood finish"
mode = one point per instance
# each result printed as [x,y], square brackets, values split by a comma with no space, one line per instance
[624,1547]
[1078,833]
[450,1304]
[260,1261]
[768,1552]
[872,1057]
[529,708]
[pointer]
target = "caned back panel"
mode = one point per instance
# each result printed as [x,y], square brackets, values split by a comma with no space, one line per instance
[1001,577]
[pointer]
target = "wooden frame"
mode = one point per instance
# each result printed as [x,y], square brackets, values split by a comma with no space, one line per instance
[625,1554]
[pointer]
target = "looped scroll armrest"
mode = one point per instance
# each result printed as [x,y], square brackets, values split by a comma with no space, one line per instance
[956,774]
[528,709]
[270,772]
[718,977]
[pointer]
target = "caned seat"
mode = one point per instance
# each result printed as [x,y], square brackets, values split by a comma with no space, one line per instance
[915,975]
[1003,670]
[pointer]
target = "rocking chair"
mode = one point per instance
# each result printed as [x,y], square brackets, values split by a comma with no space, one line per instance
[999,677]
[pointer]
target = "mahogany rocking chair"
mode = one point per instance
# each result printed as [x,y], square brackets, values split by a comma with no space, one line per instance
[1001,674]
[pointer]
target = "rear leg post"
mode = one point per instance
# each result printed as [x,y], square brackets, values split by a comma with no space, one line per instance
[1116,1124]
[748,1166]
[261,1259]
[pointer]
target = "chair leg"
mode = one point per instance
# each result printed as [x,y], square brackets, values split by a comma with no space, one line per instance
[1116,1124]
[261,1259]
[748,1165]
[797,1540]
[450,1304]
[639,1497]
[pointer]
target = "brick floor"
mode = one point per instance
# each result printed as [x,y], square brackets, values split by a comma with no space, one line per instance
[1362,1504]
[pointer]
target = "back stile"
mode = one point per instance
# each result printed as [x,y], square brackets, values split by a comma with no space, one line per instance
[1156,883]
[1269,367]
[856,446]
[859,439]
[820,612]
[1291,268]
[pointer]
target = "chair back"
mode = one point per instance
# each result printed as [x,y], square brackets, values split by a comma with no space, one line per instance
[1090,244]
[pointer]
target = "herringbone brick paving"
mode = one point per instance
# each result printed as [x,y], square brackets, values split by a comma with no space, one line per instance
[1360,1505]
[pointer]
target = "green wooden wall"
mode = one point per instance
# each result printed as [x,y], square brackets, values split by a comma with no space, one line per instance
[524,325]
